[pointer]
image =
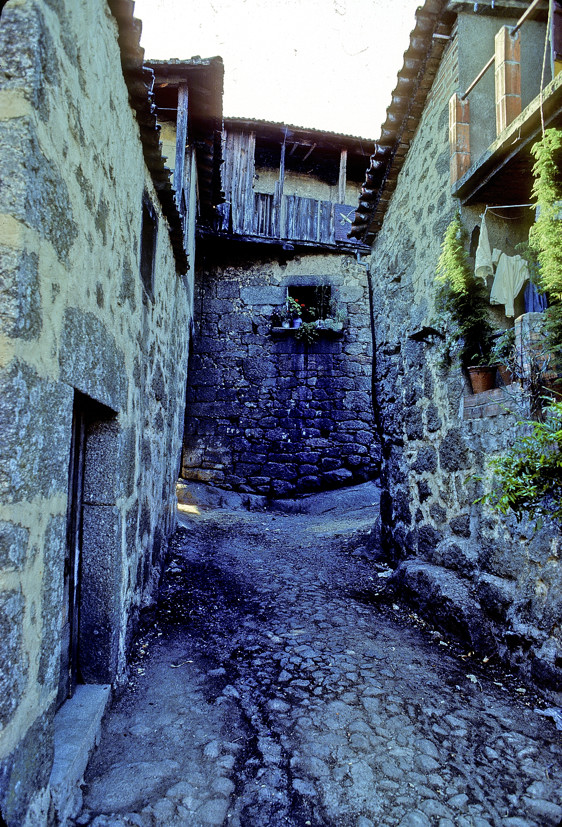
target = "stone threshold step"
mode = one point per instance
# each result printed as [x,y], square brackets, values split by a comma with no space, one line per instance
[77,733]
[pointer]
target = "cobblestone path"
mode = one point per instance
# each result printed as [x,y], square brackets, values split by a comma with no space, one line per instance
[267,689]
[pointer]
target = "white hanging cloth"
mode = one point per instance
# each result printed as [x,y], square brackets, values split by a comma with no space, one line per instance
[483,260]
[511,274]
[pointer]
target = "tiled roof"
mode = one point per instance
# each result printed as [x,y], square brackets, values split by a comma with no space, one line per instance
[139,82]
[428,40]
[205,80]
[340,137]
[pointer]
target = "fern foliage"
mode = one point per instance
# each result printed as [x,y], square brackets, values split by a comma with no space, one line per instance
[462,300]
[545,236]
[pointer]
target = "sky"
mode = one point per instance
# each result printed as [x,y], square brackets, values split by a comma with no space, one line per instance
[322,64]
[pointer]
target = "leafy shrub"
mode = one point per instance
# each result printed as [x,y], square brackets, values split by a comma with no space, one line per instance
[307,332]
[528,477]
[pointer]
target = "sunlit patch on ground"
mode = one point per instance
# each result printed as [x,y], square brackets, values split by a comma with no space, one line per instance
[188,509]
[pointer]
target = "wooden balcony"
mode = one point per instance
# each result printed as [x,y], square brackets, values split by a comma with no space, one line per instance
[288,186]
[297,219]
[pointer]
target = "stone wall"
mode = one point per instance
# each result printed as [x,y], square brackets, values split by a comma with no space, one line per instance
[266,413]
[493,581]
[77,327]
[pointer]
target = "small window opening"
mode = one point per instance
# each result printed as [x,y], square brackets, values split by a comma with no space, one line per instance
[149,232]
[315,301]
[474,239]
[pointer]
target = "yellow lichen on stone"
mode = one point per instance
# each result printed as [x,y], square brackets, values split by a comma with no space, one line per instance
[12,232]
[13,104]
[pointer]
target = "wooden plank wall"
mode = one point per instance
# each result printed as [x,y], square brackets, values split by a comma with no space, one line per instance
[290,217]
[302,218]
[238,180]
[326,222]
[263,223]
[343,216]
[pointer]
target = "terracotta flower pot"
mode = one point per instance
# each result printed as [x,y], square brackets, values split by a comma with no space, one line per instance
[506,375]
[482,378]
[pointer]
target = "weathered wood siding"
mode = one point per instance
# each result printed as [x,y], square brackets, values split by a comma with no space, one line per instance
[238,180]
[343,216]
[302,218]
[292,217]
[263,218]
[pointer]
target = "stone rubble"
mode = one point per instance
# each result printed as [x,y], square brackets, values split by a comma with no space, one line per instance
[270,688]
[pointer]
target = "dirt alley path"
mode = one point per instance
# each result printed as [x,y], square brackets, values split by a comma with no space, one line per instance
[269,689]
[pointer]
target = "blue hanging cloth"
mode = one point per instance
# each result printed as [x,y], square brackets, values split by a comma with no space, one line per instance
[535,302]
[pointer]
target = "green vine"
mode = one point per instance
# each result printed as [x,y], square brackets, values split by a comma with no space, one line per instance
[461,301]
[307,332]
[545,236]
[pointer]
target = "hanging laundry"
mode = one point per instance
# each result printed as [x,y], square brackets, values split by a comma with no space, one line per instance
[511,274]
[535,302]
[483,260]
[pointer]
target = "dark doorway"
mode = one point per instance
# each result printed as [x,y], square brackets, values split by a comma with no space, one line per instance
[93,456]
[69,644]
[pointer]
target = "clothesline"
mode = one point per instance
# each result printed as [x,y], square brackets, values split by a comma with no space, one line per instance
[510,272]
[505,207]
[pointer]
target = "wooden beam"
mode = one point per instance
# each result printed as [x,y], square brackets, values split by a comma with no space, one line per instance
[181,141]
[310,151]
[281,184]
[343,176]
[248,194]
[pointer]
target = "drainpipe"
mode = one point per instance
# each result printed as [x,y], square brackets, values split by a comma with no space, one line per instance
[374,400]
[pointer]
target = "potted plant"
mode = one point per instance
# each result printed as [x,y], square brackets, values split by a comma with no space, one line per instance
[307,332]
[280,317]
[504,355]
[295,311]
[462,305]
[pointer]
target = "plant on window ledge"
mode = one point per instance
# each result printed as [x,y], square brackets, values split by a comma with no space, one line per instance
[335,324]
[461,303]
[308,318]
[280,317]
[336,317]
[307,332]
[295,309]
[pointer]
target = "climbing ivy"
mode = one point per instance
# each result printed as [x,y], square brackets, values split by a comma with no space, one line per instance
[545,236]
